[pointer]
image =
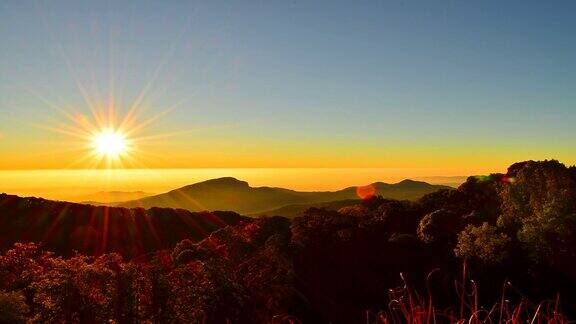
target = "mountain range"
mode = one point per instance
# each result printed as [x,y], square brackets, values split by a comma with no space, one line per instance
[236,195]
[190,212]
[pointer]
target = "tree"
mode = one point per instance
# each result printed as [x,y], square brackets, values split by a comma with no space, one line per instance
[441,226]
[550,235]
[485,243]
[537,188]
[539,210]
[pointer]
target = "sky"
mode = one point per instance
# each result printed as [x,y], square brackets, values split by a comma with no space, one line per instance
[455,87]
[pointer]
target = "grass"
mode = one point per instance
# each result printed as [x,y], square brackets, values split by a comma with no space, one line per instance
[406,306]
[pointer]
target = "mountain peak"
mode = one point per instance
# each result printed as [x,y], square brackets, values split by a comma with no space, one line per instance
[410,181]
[223,182]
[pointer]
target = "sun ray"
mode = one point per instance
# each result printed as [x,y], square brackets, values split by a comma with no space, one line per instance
[108,134]
[149,139]
[77,133]
[136,128]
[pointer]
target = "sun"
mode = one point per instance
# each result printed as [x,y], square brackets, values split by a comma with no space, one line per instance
[106,139]
[110,143]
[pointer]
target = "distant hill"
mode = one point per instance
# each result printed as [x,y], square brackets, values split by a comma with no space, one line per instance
[452,181]
[233,194]
[110,197]
[65,227]
[291,211]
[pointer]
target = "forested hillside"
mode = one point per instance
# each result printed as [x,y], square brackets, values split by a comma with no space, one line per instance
[64,227]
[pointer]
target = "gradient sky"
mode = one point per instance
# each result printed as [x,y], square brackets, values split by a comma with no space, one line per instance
[466,86]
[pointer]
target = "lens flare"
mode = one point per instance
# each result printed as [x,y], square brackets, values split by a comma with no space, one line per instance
[366,192]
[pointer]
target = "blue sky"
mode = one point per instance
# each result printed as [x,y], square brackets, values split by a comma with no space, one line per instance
[430,82]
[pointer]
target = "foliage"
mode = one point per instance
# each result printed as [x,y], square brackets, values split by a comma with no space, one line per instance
[13,308]
[439,226]
[66,228]
[407,306]
[538,188]
[550,235]
[483,242]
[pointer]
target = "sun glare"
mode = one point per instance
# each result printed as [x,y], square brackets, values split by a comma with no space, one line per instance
[107,140]
[110,143]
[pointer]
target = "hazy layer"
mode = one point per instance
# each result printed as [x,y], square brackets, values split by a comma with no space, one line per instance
[71,184]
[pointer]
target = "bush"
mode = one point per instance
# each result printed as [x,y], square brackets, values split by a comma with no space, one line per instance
[440,226]
[550,235]
[13,308]
[538,188]
[484,242]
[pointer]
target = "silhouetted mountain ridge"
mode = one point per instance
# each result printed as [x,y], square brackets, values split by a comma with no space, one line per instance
[232,194]
[219,182]
[295,210]
[63,226]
